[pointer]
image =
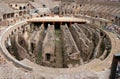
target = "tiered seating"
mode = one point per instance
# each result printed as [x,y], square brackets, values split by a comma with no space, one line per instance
[100,8]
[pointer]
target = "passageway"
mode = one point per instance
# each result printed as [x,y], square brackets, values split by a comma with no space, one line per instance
[58,49]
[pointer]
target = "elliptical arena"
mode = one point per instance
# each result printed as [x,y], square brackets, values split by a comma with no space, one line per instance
[58,39]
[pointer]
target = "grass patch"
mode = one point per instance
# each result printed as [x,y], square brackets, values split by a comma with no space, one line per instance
[39,57]
[57,32]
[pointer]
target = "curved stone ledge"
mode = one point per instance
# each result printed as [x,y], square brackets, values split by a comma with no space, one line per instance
[3,38]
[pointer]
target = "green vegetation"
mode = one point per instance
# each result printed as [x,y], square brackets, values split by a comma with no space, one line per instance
[58,33]
[15,53]
[39,57]
[58,49]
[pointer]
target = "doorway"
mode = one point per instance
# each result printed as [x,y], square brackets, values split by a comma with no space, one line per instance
[57,25]
[48,57]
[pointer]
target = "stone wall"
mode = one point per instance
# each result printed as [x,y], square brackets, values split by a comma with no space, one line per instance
[48,47]
[90,41]
[8,32]
[71,51]
[85,45]
[36,39]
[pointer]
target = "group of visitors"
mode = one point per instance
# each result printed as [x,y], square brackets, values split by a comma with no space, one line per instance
[113,28]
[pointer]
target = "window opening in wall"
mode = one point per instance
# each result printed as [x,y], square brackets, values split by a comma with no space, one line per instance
[48,57]
[57,25]
[41,15]
[20,8]
[44,5]
[16,5]
[24,7]
[32,47]
[80,5]
[44,14]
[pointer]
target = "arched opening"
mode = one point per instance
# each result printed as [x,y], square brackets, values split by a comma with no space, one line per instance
[4,16]
[62,13]
[44,14]
[101,34]
[46,25]
[16,16]
[57,25]
[80,5]
[11,5]
[15,30]
[20,13]
[12,33]
[16,5]
[24,7]
[32,47]
[18,28]
[56,10]
[116,19]
[47,57]
[24,12]
[41,15]
[20,8]
[44,5]
[112,20]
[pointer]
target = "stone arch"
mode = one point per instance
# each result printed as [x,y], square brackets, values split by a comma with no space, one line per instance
[24,7]
[15,5]
[20,8]
[116,19]
[26,28]
[41,15]
[48,56]
[18,28]
[56,9]
[11,5]
[80,5]
[44,5]
[44,14]
[28,5]
[9,36]
[24,12]
[73,7]
[11,21]
[16,16]
[12,33]
[20,13]
[15,30]
[22,27]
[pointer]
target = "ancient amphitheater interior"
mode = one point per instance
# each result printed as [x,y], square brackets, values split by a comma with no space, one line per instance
[59,39]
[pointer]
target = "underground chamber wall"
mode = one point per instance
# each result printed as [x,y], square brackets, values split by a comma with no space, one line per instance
[60,58]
